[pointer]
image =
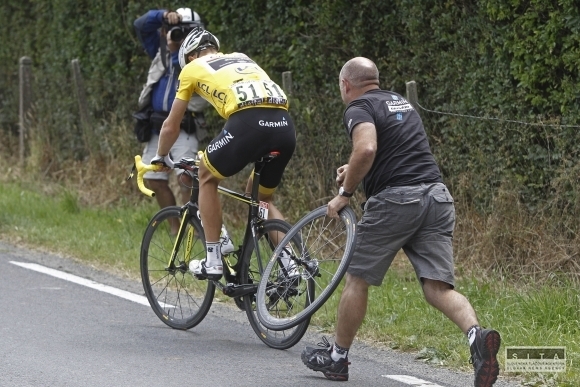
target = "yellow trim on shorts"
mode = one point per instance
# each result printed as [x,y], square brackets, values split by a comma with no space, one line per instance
[266,191]
[261,189]
[210,167]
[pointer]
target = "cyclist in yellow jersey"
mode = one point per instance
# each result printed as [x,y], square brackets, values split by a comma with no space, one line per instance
[256,110]
[230,82]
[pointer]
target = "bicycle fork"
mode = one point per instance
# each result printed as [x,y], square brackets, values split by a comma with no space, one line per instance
[176,244]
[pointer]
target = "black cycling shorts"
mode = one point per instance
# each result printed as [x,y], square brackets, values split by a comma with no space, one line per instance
[248,135]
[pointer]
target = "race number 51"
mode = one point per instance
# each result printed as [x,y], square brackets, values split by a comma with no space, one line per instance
[263,210]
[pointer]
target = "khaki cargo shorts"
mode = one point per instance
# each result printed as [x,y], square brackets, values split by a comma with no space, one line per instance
[418,219]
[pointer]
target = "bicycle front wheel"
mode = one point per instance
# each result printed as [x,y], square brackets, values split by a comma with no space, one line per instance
[321,249]
[178,298]
[269,232]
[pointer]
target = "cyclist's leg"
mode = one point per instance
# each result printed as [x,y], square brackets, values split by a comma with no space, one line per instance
[273,212]
[210,207]
[283,140]
[226,155]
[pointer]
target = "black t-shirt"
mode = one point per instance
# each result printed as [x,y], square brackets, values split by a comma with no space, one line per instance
[403,155]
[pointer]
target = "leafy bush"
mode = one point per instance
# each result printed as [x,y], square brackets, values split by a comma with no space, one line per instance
[513,60]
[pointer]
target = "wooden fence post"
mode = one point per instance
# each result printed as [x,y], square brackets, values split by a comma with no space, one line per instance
[412,94]
[25,104]
[79,87]
[287,82]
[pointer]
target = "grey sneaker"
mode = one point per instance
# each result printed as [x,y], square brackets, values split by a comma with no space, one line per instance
[483,357]
[319,359]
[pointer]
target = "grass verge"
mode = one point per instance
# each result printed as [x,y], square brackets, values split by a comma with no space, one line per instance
[526,314]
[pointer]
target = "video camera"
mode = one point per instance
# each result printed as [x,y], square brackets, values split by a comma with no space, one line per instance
[189,20]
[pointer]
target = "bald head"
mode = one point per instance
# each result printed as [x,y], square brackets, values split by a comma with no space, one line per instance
[360,72]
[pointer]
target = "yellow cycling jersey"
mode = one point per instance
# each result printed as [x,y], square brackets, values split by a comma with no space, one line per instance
[230,82]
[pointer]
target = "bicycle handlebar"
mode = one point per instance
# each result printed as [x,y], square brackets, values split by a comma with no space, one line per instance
[188,164]
[141,169]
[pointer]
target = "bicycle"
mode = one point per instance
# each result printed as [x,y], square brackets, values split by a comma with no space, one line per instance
[322,248]
[181,299]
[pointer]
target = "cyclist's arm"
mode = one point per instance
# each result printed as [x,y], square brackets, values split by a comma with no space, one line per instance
[147,29]
[171,127]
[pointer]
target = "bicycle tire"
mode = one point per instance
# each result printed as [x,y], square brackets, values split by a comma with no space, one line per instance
[250,273]
[179,299]
[324,252]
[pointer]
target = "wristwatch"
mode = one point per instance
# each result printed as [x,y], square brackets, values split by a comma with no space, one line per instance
[342,192]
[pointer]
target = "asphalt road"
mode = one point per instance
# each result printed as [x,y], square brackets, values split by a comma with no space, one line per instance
[54,332]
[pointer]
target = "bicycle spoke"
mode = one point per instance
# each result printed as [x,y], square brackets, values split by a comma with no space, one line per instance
[269,232]
[322,247]
[177,297]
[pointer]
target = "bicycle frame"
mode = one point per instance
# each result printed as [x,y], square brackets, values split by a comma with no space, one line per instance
[190,209]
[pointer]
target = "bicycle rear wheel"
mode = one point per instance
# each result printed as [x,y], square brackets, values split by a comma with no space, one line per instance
[321,247]
[269,231]
[179,299]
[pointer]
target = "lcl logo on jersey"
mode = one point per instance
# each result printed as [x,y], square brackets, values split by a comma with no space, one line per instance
[203,87]
[221,96]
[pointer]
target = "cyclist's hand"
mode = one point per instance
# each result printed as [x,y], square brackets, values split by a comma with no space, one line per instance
[164,161]
[341,174]
[335,205]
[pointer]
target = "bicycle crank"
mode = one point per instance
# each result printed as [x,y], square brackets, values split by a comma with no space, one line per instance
[234,290]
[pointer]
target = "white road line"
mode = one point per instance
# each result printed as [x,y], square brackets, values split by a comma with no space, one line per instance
[412,381]
[85,282]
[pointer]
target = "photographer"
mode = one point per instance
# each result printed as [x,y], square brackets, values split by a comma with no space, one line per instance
[161,33]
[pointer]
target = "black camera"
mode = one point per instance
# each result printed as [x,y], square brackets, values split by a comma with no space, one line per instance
[178,32]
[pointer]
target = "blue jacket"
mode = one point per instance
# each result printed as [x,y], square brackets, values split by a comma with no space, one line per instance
[147,28]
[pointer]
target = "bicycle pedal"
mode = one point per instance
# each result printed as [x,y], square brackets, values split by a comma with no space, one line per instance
[200,277]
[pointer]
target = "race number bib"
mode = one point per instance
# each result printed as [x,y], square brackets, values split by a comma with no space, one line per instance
[252,93]
[263,210]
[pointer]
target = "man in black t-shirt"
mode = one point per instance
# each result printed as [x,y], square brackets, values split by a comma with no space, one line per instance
[408,207]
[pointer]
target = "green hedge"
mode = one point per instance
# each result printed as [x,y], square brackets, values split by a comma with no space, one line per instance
[516,60]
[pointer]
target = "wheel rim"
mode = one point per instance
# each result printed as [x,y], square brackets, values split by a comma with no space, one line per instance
[280,339]
[175,295]
[322,253]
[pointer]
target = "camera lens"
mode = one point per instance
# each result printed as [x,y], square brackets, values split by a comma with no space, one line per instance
[176,34]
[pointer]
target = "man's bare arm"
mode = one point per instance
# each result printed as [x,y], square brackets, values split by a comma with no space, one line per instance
[364,149]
